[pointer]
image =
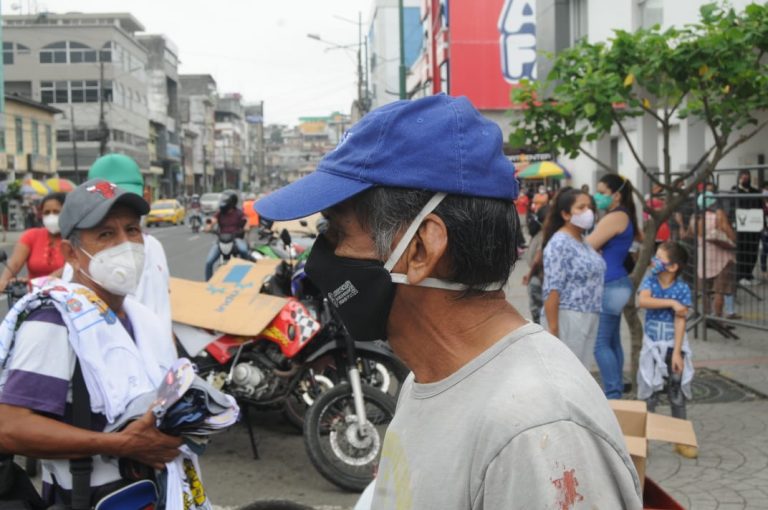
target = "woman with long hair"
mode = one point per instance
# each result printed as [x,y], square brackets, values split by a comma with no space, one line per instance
[613,237]
[573,274]
[39,248]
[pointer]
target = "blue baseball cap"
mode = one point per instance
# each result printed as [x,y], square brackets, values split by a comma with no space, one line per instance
[437,143]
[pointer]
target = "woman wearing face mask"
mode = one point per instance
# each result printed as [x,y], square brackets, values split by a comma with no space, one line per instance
[573,274]
[613,237]
[38,248]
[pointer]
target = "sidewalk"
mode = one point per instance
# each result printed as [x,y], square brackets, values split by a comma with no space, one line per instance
[731,472]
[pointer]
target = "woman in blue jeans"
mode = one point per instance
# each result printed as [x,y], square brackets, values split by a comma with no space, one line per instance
[613,237]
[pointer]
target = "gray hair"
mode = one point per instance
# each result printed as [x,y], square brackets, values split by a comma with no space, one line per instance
[74,238]
[483,233]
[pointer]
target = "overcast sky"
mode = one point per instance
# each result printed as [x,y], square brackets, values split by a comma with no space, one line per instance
[259,48]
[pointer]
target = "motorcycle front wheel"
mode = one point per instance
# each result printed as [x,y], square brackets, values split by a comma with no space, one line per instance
[343,452]
[385,373]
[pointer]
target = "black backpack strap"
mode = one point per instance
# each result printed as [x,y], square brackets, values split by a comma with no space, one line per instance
[81,418]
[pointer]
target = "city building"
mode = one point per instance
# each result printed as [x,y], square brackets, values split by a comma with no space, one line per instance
[27,139]
[483,49]
[230,141]
[164,122]
[197,107]
[93,68]
[384,46]
[475,49]
[254,123]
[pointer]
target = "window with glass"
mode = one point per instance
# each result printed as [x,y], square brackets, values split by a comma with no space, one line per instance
[77,91]
[108,91]
[579,16]
[651,12]
[7,53]
[91,91]
[2,140]
[55,53]
[35,137]
[48,141]
[63,135]
[19,135]
[73,52]
[106,52]
[54,92]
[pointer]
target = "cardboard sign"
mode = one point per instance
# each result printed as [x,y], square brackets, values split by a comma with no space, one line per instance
[749,220]
[295,226]
[230,302]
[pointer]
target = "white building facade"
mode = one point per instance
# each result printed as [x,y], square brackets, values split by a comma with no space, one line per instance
[560,23]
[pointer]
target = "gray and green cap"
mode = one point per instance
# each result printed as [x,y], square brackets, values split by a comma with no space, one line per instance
[88,204]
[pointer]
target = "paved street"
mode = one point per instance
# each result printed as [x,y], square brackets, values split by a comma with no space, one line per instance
[731,472]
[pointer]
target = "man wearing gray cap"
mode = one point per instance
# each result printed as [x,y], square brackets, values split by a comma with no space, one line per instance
[90,330]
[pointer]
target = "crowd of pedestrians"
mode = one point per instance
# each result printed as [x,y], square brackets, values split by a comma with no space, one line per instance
[579,266]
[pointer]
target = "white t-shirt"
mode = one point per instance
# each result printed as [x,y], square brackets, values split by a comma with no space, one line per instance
[522,426]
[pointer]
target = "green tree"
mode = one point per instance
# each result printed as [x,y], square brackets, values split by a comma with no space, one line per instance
[714,71]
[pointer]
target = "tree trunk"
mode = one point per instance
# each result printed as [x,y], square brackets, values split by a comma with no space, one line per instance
[647,250]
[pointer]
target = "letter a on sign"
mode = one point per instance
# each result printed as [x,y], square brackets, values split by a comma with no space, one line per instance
[517,30]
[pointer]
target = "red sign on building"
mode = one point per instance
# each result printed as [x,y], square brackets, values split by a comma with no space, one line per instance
[491,46]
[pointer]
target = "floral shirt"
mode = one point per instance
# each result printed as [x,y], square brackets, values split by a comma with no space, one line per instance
[576,271]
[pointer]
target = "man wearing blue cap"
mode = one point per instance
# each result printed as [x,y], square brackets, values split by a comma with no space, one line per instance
[422,226]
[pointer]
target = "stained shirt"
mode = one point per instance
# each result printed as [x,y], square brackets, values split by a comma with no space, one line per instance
[576,271]
[678,291]
[522,426]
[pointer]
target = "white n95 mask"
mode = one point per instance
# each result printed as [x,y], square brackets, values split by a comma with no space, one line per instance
[117,269]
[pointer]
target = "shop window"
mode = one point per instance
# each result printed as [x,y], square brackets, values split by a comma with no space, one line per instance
[19,124]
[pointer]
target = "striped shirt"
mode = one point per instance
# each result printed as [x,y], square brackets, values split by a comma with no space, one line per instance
[38,376]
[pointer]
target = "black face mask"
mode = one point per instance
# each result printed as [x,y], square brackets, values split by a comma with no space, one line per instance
[361,291]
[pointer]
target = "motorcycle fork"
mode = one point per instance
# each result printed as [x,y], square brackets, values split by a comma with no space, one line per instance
[354,381]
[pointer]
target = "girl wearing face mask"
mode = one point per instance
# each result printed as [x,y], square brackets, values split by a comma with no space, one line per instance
[39,248]
[573,274]
[613,237]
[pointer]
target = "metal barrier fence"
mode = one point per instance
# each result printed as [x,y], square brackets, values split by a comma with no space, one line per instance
[726,237]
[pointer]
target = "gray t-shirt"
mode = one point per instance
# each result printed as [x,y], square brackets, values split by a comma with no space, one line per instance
[522,426]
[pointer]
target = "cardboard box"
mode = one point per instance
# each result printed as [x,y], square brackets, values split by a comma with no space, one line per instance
[639,426]
[230,302]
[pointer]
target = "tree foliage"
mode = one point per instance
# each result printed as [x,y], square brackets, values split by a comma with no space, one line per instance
[714,71]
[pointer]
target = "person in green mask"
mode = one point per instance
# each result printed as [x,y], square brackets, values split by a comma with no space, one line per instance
[613,237]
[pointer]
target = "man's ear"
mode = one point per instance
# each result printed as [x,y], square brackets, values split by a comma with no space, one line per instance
[70,254]
[425,256]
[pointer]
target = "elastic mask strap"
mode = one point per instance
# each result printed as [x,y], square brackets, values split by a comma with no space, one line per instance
[433,283]
[411,232]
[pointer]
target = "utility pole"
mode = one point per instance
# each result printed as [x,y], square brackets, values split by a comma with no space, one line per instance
[262,149]
[103,129]
[74,142]
[402,48]
[360,99]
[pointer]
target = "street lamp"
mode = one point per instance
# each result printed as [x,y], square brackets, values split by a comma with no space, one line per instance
[362,101]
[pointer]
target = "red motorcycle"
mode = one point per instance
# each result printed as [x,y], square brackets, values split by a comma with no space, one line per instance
[288,365]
